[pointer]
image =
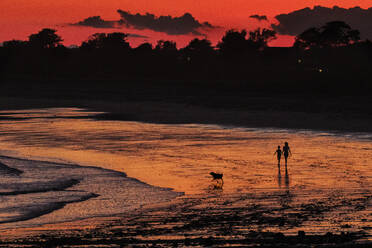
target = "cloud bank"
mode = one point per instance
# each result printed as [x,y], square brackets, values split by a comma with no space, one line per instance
[182,25]
[298,21]
[259,17]
[185,24]
[96,22]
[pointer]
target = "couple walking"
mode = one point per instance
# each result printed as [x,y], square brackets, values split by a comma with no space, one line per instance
[286,152]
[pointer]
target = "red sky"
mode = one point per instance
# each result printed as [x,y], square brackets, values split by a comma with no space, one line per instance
[20,18]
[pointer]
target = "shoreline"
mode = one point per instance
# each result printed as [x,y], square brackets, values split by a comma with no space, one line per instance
[159,112]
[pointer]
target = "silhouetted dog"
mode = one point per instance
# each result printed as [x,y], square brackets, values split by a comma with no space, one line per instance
[217,176]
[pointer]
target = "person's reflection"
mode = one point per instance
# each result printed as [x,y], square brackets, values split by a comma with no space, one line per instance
[286,196]
[286,179]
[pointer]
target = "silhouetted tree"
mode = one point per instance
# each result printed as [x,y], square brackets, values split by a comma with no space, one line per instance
[46,38]
[142,60]
[198,49]
[166,50]
[203,46]
[166,46]
[332,34]
[233,42]
[165,58]
[110,41]
[15,44]
[259,38]
[238,57]
[338,33]
[144,48]
[308,39]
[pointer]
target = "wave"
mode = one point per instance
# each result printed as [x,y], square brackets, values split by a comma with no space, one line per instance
[34,211]
[37,187]
[4,169]
[47,192]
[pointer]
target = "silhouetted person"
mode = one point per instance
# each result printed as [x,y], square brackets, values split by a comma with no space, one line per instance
[278,153]
[286,152]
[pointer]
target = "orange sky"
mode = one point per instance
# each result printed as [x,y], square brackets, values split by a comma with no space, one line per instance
[20,18]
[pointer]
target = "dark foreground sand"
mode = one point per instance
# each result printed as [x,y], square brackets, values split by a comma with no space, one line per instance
[203,221]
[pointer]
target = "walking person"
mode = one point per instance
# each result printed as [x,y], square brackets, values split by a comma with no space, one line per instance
[286,152]
[278,153]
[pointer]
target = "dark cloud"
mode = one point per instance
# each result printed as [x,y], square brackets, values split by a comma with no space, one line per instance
[296,22]
[185,24]
[259,17]
[96,22]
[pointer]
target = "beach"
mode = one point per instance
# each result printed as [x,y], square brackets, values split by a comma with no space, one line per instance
[322,198]
[164,126]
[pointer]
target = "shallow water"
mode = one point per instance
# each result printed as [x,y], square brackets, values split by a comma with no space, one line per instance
[328,176]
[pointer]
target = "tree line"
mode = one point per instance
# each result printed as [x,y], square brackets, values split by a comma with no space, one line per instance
[329,56]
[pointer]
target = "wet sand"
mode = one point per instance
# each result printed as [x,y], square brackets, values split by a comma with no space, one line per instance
[324,197]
